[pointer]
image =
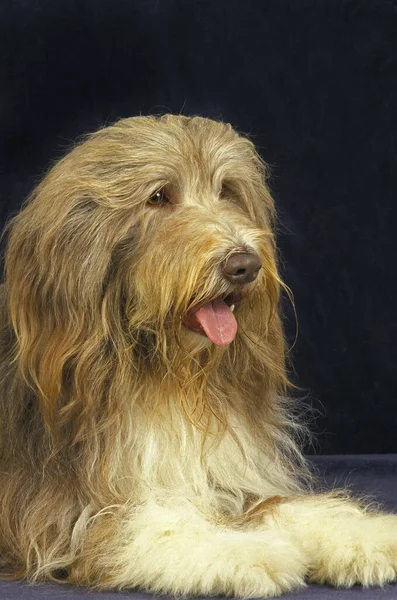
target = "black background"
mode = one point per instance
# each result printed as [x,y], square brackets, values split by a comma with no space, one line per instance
[314,83]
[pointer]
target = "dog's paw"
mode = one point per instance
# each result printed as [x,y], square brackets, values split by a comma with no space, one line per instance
[260,570]
[364,552]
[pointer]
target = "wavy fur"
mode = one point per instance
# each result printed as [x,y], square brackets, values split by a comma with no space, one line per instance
[132,451]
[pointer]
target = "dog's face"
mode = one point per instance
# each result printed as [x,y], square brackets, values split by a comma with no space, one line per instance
[199,241]
[160,227]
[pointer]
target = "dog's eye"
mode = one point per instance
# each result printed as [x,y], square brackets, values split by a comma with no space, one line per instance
[160,198]
[226,191]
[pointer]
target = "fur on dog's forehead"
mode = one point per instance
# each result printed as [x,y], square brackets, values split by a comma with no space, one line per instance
[184,151]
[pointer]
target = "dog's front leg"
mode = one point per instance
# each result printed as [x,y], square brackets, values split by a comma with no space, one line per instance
[345,543]
[175,550]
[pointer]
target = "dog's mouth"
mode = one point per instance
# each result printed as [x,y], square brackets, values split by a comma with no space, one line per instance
[215,319]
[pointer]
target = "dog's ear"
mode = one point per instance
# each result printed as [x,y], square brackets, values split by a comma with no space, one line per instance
[57,262]
[250,179]
[261,195]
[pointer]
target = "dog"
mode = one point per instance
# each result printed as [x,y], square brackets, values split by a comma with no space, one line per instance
[147,438]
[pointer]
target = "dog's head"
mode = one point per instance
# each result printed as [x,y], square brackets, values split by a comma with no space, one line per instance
[152,238]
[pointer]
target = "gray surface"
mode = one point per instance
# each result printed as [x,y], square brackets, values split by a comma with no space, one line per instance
[374,475]
[20,591]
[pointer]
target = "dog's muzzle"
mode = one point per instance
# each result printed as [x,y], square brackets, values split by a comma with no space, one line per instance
[215,319]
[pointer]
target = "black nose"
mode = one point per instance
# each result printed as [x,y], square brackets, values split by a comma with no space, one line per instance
[241,267]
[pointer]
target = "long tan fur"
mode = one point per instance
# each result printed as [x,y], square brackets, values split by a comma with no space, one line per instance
[134,452]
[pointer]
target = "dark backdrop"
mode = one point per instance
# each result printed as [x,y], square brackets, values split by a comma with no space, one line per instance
[315,85]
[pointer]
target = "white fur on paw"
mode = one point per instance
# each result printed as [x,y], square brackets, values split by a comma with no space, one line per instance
[251,569]
[178,553]
[260,571]
[363,553]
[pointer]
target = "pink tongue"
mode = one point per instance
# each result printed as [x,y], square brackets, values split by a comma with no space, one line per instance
[218,322]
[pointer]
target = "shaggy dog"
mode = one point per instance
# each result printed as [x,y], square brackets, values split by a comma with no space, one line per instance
[146,438]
